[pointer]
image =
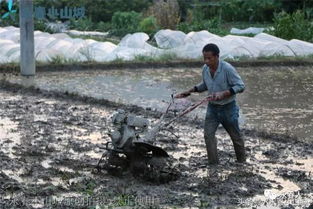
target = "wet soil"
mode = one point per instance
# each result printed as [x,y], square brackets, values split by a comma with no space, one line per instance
[83,66]
[49,148]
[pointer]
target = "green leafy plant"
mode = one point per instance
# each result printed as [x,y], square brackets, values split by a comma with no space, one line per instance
[103,10]
[83,24]
[142,58]
[293,26]
[242,10]
[58,60]
[104,26]
[149,25]
[125,22]
[42,26]
[213,25]
[165,57]
[98,10]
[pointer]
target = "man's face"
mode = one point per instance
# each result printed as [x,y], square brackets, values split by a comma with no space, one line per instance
[210,59]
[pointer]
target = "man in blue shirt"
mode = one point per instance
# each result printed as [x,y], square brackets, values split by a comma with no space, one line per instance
[222,82]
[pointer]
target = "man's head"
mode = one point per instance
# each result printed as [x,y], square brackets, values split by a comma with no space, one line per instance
[211,55]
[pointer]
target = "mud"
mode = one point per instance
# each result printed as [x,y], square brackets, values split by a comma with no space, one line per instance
[49,148]
[277,100]
[83,66]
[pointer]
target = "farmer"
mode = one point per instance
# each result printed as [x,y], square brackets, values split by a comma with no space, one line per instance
[222,82]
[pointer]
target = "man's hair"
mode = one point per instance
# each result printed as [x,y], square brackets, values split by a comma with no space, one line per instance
[211,48]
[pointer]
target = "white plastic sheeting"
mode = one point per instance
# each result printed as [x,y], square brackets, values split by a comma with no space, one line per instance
[101,50]
[50,46]
[132,46]
[60,45]
[201,36]
[232,46]
[301,48]
[193,43]
[86,33]
[297,47]
[169,38]
[250,30]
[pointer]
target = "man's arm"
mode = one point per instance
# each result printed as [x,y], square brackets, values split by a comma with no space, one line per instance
[235,81]
[198,88]
[186,93]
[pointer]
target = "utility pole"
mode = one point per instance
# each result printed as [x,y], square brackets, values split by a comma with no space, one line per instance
[27,60]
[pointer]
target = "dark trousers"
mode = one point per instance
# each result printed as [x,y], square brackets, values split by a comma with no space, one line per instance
[227,115]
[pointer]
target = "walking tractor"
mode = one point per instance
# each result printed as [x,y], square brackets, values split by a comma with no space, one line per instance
[132,146]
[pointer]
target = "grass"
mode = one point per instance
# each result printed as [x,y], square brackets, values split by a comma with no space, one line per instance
[87,53]
[58,60]
[142,58]
[275,58]
[165,58]
[171,57]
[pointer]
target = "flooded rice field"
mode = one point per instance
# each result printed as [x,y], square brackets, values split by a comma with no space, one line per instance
[49,146]
[276,100]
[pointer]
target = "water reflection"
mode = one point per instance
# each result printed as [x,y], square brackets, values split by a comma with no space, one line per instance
[277,99]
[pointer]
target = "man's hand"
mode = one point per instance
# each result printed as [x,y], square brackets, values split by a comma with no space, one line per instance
[221,95]
[185,93]
[182,95]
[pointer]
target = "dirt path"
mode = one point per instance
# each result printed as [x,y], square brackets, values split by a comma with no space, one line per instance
[49,148]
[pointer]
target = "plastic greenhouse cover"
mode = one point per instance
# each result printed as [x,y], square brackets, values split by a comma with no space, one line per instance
[131,46]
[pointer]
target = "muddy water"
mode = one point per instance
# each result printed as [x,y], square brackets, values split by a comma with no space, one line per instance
[276,100]
[55,144]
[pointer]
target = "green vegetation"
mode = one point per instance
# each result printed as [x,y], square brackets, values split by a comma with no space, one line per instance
[59,60]
[149,25]
[168,58]
[289,19]
[125,22]
[41,25]
[291,26]
[165,59]
[251,11]
[83,24]
[212,25]
[99,10]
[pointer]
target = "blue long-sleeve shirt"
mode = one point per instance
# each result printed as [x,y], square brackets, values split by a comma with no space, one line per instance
[225,78]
